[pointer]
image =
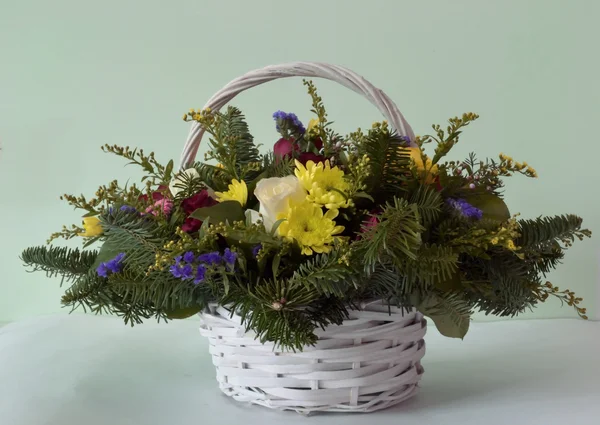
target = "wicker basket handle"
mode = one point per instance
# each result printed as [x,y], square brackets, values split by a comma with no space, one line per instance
[335,73]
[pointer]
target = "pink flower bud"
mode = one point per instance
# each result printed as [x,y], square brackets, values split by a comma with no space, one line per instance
[283,148]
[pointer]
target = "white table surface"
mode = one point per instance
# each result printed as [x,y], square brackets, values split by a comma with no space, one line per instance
[88,370]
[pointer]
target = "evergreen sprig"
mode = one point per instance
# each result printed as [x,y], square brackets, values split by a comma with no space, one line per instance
[561,229]
[396,236]
[389,163]
[69,263]
[429,203]
[326,274]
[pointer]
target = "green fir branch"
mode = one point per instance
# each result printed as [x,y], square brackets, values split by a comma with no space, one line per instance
[429,203]
[396,236]
[326,274]
[562,229]
[66,262]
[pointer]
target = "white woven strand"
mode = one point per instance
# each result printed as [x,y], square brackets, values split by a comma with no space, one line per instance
[335,73]
[369,362]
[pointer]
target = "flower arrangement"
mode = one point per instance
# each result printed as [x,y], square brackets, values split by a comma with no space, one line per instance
[292,239]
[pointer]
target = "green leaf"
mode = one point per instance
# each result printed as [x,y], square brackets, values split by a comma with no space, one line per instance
[446,325]
[276,226]
[227,211]
[168,171]
[275,265]
[108,251]
[450,313]
[182,313]
[225,284]
[364,195]
[493,207]
[449,284]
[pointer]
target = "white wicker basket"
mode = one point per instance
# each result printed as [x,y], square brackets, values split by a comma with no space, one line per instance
[370,362]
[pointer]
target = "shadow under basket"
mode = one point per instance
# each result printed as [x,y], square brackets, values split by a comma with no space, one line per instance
[369,362]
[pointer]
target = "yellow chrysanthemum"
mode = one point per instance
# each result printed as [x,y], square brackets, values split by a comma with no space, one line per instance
[312,229]
[238,191]
[325,184]
[92,227]
[427,170]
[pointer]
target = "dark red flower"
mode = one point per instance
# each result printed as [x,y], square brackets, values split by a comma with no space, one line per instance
[157,195]
[200,200]
[310,156]
[437,183]
[370,221]
[191,225]
[318,143]
[283,148]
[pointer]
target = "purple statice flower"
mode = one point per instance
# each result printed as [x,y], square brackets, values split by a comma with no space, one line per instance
[297,123]
[256,249]
[210,258]
[187,272]
[229,257]
[112,266]
[281,117]
[128,209]
[465,209]
[189,257]
[102,270]
[176,270]
[200,273]
[178,259]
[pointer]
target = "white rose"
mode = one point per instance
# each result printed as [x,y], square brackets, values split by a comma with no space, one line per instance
[178,183]
[274,195]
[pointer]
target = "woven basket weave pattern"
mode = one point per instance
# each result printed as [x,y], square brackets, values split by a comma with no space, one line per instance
[370,362]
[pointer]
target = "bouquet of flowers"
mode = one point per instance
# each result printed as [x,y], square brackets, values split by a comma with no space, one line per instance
[292,239]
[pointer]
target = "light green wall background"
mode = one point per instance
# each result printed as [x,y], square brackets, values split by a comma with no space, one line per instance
[77,74]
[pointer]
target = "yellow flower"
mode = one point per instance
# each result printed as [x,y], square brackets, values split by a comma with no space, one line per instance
[325,184]
[312,125]
[511,245]
[309,227]
[238,191]
[92,227]
[427,169]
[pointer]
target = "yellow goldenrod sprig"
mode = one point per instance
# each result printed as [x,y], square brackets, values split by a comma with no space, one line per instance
[567,296]
[359,170]
[202,116]
[503,236]
[446,139]
[508,166]
[66,233]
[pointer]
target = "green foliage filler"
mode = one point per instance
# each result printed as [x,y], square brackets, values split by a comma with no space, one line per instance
[293,239]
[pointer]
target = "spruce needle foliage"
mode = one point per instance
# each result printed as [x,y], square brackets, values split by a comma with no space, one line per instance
[325,274]
[429,203]
[396,236]
[68,263]
[389,163]
[549,230]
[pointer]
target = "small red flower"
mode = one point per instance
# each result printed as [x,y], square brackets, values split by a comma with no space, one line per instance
[369,222]
[157,195]
[283,148]
[310,156]
[200,200]
[318,143]
[438,185]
